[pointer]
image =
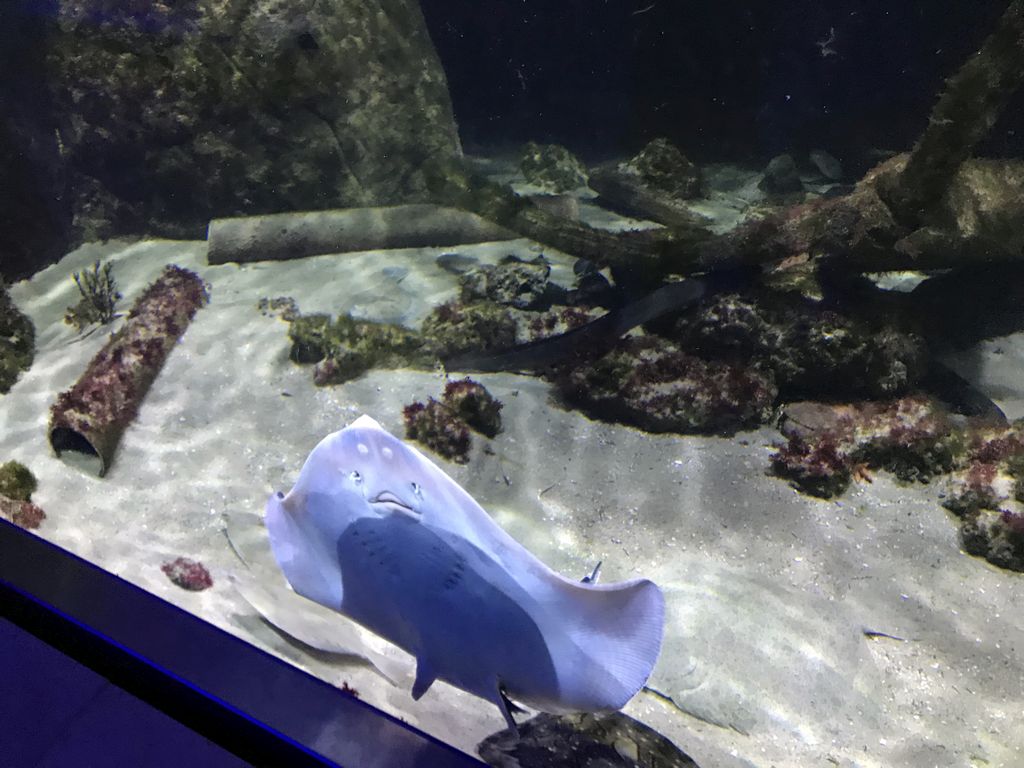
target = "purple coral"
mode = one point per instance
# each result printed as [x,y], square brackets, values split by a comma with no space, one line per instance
[653,384]
[820,468]
[21,512]
[188,574]
[471,402]
[94,413]
[434,425]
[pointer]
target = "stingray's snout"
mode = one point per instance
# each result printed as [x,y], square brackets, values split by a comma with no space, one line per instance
[391,502]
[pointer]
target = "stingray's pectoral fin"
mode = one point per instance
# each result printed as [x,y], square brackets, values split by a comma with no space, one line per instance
[425,678]
[507,707]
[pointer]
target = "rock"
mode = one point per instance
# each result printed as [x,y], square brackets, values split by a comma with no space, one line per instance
[435,425]
[649,382]
[553,167]
[188,574]
[812,353]
[826,164]
[781,177]
[455,327]
[471,402]
[346,348]
[603,740]
[512,283]
[662,166]
[913,437]
[17,341]
[175,113]
[654,184]
[16,481]
[564,206]
[21,513]
[998,536]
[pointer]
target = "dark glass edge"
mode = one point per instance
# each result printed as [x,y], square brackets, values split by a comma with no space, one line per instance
[238,696]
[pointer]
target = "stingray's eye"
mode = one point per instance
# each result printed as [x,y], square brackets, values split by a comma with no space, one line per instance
[417,490]
[356,477]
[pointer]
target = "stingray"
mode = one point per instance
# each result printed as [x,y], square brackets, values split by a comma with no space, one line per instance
[376,531]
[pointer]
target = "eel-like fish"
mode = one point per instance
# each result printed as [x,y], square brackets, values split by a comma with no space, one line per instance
[376,531]
[596,335]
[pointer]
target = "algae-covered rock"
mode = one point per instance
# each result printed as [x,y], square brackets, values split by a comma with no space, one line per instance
[662,166]
[16,481]
[553,167]
[650,382]
[17,484]
[591,740]
[828,444]
[996,535]
[17,341]
[436,426]
[811,352]
[470,401]
[512,282]
[344,349]
[171,114]
[453,328]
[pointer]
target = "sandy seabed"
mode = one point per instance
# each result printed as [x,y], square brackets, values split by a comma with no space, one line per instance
[764,662]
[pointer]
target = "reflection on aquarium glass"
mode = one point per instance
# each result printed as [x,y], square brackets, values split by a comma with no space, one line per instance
[639,383]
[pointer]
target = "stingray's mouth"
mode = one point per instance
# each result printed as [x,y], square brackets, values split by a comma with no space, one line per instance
[392,503]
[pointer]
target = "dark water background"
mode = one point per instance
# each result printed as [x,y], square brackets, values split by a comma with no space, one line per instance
[723,79]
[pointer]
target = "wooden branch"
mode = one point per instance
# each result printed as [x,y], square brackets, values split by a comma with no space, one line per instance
[642,252]
[974,99]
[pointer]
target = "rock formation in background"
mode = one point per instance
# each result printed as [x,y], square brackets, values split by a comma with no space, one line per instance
[170,114]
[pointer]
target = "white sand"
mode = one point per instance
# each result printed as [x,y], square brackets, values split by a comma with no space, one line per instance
[768,590]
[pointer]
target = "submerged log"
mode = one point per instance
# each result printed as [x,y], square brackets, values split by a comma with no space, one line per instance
[285,236]
[974,99]
[645,253]
[91,416]
[630,193]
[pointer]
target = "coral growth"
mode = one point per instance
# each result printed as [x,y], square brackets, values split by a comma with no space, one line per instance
[453,328]
[345,348]
[434,425]
[99,297]
[444,426]
[21,513]
[513,283]
[472,403]
[95,411]
[188,574]
[16,481]
[552,167]
[917,440]
[650,382]
[17,484]
[912,437]
[810,351]
[17,341]
[661,165]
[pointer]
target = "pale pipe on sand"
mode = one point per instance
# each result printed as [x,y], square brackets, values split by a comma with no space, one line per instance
[283,236]
[375,530]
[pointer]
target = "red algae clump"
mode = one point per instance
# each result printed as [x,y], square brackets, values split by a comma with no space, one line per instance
[188,574]
[917,440]
[445,425]
[472,403]
[93,414]
[434,425]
